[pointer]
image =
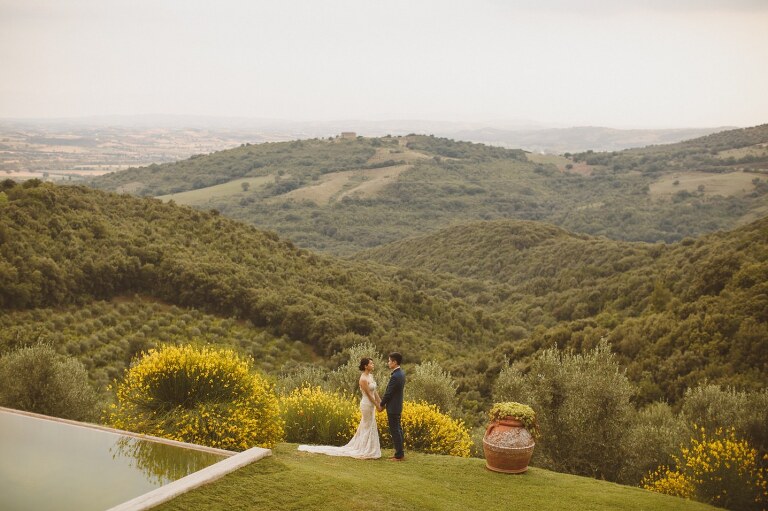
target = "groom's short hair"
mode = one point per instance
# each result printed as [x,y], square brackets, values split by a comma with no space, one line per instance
[397,357]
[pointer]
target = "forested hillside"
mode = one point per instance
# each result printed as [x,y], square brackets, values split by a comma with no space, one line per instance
[676,314]
[739,149]
[344,195]
[64,246]
[105,275]
[580,138]
[516,252]
[294,162]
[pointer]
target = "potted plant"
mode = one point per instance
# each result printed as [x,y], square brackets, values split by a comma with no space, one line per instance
[510,437]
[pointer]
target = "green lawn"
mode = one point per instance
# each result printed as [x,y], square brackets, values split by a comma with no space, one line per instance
[293,480]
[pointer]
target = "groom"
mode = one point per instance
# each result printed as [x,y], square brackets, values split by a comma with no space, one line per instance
[393,400]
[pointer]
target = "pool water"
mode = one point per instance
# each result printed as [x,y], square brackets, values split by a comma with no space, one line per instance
[51,465]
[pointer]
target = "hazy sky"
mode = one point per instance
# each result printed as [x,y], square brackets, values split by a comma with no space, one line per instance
[619,63]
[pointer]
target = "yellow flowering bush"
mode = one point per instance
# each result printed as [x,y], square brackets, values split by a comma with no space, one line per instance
[669,481]
[719,469]
[206,396]
[315,416]
[428,430]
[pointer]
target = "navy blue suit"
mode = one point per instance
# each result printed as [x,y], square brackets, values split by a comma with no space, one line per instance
[393,402]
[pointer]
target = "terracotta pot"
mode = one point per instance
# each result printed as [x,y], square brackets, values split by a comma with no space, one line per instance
[508,446]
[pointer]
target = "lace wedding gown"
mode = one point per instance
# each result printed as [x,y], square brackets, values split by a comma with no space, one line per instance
[365,443]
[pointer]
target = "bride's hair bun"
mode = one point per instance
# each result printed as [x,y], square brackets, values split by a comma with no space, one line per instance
[363,363]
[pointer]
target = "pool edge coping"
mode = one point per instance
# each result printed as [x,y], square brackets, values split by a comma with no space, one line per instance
[211,473]
[231,462]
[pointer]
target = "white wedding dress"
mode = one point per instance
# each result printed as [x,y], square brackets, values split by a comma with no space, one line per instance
[365,443]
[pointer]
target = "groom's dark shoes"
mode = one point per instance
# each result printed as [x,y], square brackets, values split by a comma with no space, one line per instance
[394,458]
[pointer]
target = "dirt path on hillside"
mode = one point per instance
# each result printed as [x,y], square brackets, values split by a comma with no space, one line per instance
[328,185]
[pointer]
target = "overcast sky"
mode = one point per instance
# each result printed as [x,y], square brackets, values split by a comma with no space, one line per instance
[618,63]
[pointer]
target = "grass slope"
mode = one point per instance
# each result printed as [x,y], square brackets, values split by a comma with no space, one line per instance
[292,480]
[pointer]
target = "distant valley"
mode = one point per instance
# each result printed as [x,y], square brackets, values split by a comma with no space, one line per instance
[70,149]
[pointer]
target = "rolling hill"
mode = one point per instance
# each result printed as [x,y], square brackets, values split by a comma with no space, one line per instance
[68,245]
[577,139]
[513,252]
[345,195]
[676,314]
[725,151]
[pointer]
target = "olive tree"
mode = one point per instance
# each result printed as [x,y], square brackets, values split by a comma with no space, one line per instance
[582,404]
[37,379]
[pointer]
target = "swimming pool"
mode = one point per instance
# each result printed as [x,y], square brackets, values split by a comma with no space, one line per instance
[48,463]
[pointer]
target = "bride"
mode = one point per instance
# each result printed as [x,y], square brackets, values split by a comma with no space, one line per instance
[365,443]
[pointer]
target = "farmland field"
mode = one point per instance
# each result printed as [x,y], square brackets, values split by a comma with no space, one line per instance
[727,185]
[336,185]
[560,162]
[203,195]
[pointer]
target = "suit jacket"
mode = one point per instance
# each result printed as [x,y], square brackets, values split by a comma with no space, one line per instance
[393,397]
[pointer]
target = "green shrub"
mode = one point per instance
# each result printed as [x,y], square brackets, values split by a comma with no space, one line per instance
[37,379]
[510,385]
[206,396]
[315,416]
[346,377]
[428,382]
[653,439]
[343,380]
[712,407]
[582,403]
[301,377]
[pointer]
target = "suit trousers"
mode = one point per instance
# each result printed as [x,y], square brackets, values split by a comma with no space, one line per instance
[396,430]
